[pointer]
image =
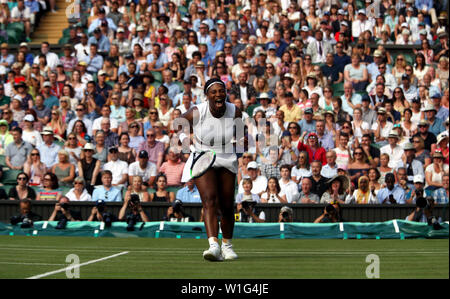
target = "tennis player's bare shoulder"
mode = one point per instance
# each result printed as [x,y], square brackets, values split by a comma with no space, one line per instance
[191,115]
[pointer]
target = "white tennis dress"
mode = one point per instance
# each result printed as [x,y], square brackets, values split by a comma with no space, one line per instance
[215,134]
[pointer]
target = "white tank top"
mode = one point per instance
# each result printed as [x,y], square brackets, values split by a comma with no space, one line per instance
[211,133]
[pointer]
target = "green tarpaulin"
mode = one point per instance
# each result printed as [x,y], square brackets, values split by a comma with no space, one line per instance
[395,229]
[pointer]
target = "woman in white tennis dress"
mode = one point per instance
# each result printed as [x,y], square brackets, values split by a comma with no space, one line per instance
[212,123]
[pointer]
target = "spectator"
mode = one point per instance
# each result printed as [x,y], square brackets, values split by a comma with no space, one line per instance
[434,173]
[435,125]
[189,193]
[154,149]
[118,168]
[363,194]
[137,212]
[22,191]
[259,181]
[50,188]
[394,150]
[271,165]
[428,137]
[25,213]
[391,194]
[89,167]
[248,213]
[143,168]
[137,188]
[337,188]
[356,74]
[441,195]
[358,165]
[63,169]
[161,194]
[176,213]
[173,168]
[417,191]
[79,191]
[306,195]
[17,151]
[315,151]
[273,193]
[106,191]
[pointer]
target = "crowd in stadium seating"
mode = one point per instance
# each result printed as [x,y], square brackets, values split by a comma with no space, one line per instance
[352,120]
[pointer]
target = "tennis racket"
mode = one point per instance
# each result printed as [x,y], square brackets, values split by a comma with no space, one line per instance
[201,162]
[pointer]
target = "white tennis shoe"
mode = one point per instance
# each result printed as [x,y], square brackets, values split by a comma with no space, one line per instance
[228,252]
[213,254]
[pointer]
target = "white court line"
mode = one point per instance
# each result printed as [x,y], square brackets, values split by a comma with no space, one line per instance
[30,264]
[75,266]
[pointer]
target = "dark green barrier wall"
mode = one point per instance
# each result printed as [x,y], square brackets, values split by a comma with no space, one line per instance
[396,229]
[302,212]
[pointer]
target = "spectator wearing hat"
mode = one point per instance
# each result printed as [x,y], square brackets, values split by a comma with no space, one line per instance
[29,134]
[394,150]
[89,167]
[436,125]
[124,44]
[118,168]
[442,112]
[409,90]
[48,149]
[441,48]
[143,168]
[307,123]
[361,24]
[382,127]
[434,173]
[412,165]
[442,145]
[259,182]
[264,100]
[17,151]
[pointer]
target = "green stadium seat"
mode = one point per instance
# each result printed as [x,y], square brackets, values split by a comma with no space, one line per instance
[10,176]
[2,160]
[251,108]
[7,188]
[338,89]
[63,40]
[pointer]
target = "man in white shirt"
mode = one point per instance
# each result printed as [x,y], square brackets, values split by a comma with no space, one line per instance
[106,113]
[319,48]
[22,14]
[329,170]
[394,151]
[259,181]
[361,24]
[186,103]
[382,127]
[143,168]
[52,58]
[288,186]
[82,48]
[118,168]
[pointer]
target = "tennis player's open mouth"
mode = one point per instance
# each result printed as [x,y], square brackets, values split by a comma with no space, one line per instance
[219,102]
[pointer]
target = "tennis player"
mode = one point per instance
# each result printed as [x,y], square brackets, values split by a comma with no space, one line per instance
[212,132]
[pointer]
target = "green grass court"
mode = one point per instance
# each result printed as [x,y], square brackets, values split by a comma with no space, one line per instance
[26,256]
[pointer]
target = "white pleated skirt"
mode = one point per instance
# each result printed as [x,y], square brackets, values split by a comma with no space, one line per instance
[228,161]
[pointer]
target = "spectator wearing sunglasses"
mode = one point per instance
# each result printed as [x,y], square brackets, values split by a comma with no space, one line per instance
[21,190]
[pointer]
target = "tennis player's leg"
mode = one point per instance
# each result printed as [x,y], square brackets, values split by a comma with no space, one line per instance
[227,181]
[208,189]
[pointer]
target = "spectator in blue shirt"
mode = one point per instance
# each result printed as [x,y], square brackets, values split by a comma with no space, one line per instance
[48,149]
[6,59]
[94,61]
[173,88]
[436,125]
[189,193]
[441,195]
[214,45]
[101,18]
[157,61]
[391,194]
[280,45]
[107,191]
[308,124]
[50,101]
[100,40]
